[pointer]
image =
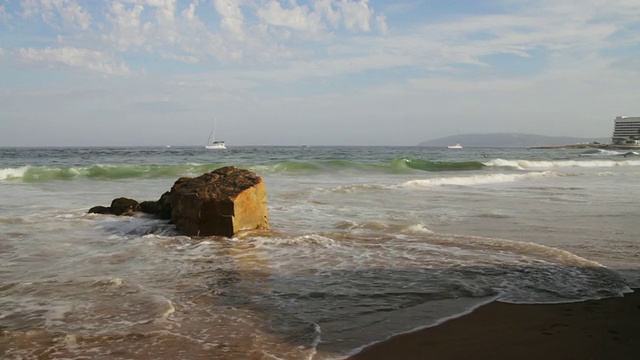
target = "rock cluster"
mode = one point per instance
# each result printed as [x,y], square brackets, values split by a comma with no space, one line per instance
[222,202]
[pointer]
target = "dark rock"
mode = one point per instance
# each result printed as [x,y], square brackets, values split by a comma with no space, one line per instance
[123,205]
[149,207]
[100,210]
[160,208]
[165,206]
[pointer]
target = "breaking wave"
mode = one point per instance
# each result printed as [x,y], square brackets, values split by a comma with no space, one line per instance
[150,171]
[32,173]
[102,172]
[476,179]
[543,164]
[443,165]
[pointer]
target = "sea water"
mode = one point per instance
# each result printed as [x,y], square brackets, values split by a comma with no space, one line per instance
[365,243]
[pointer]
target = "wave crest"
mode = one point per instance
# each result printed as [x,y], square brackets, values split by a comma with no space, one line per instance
[541,164]
[475,180]
[425,165]
[102,172]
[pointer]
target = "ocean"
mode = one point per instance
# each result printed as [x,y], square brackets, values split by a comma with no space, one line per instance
[365,243]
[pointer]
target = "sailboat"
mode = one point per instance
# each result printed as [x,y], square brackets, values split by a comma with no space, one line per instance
[212,144]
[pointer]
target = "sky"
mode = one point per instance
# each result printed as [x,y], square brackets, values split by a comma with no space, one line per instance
[324,72]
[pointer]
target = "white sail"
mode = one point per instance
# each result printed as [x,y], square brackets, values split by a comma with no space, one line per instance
[212,143]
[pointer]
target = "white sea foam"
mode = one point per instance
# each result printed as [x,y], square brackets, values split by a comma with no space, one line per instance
[108,282]
[306,240]
[70,340]
[602,152]
[169,309]
[475,179]
[417,229]
[357,187]
[13,173]
[539,164]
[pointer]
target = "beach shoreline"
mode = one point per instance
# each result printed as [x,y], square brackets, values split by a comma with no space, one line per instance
[595,329]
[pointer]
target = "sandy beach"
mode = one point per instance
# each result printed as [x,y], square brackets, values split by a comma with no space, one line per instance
[607,329]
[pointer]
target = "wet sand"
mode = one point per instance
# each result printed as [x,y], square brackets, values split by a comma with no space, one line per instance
[606,329]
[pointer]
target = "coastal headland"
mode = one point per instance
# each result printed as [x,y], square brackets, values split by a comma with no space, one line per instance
[607,329]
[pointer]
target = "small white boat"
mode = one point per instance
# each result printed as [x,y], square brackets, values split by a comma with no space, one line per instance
[216,145]
[454,146]
[212,144]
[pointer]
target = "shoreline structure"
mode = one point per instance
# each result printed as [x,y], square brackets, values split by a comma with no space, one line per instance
[626,136]
[606,329]
[589,146]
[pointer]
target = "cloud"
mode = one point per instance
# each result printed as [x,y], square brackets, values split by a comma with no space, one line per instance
[127,28]
[83,58]
[297,17]
[187,59]
[172,30]
[356,15]
[4,16]
[353,15]
[166,26]
[325,9]
[58,13]
[232,18]
[339,38]
[556,34]
[190,12]
[381,22]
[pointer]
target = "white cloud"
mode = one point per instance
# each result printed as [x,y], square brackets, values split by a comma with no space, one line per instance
[566,36]
[68,12]
[297,17]
[3,14]
[29,8]
[232,18]
[264,52]
[166,25]
[190,12]
[255,32]
[127,28]
[187,59]
[82,58]
[381,22]
[165,12]
[326,9]
[356,15]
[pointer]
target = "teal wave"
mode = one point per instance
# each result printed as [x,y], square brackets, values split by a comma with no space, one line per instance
[149,171]
[425,165]
[106,172]
[401,165]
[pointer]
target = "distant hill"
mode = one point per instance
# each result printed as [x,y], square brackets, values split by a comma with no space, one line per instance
[510,140]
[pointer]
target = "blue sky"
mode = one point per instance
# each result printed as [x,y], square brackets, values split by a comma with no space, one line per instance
[326,72]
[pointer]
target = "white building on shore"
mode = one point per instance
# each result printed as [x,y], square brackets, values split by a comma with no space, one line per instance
[626,130]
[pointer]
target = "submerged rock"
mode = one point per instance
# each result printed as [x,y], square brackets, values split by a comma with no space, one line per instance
[99,209]
[222,202]
[119,206]
[123,205]
[160,208]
